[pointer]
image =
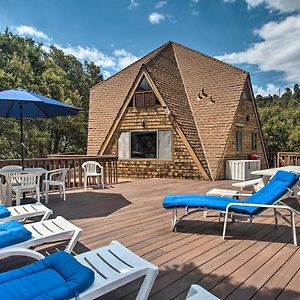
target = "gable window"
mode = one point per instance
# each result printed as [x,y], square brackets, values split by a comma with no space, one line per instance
[145,144]
[254,141]
[239,139]
[144,95]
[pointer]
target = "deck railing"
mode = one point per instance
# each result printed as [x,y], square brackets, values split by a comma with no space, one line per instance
[73,162]
[288,159]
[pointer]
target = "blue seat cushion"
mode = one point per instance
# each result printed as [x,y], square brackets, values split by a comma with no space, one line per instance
[203,201]
[273,191]
[12,233]
[4,212]
[58,276]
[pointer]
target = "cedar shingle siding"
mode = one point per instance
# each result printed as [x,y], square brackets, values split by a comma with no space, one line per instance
[205,130]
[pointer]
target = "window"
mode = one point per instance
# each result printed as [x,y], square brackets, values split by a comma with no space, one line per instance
[143,144]
[253,141]
[146,144]
[144,96]
[239,140]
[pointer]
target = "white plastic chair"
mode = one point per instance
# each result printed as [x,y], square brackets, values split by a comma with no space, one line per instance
[93,169]
[26,183]
[55,178]
[7,183]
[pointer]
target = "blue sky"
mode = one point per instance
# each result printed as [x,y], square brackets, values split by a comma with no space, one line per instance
[261,36]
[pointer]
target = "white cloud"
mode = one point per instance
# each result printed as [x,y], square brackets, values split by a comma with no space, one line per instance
[156,18]
[89,54]
[133,4]
[278,50]
[31,31]
[278,5]
[124,58]
[109,64]
[195,1]
[195,12]
[160,4]
[270,89]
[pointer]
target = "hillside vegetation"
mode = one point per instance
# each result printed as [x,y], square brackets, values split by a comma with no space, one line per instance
[280,119]
[48,71]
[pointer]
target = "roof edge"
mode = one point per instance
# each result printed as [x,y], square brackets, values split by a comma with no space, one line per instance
[210,57]
[187,96]
[121,71]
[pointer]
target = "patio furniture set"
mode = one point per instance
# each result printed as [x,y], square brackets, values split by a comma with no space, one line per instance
[18,181]
[97,272]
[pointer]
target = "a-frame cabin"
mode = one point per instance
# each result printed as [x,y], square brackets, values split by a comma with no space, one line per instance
[175,113]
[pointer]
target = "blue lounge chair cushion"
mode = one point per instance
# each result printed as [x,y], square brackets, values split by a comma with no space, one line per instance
[58,276]
[13,232]
[4,212]
[269,194]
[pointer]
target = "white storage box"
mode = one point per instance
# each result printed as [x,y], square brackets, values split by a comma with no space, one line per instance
[241,169]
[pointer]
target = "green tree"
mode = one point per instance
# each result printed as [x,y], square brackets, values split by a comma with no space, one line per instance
[280,119]
[25,63]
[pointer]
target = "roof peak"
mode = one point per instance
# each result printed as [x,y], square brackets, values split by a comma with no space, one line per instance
[206,55]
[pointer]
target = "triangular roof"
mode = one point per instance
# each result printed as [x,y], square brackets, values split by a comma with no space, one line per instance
[178,73]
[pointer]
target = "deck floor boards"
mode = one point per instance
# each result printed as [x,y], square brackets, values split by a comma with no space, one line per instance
[257,261]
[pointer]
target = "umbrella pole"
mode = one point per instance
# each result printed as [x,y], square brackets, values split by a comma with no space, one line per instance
[21,139]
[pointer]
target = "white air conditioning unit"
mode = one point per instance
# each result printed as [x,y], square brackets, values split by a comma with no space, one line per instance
[241,169]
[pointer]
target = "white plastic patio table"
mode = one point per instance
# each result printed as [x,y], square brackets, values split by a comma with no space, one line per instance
[268,173]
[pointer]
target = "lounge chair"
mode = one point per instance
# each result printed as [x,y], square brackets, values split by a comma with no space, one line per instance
[268,197]
[16,235]
[197,292]
[24,212]
[85,276]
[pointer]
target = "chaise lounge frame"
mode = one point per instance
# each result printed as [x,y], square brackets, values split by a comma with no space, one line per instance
[227,214]
[26,211]
[49,231]
[113,265]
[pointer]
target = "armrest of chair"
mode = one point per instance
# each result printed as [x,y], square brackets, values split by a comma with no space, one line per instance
[258,205]
[53,173]
[247,183]
[21,252]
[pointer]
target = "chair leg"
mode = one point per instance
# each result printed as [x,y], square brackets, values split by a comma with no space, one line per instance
[38,199]
[275,217]
[18,197]
[73,241]
[85,182]
[64,191]
[102,181]
[47,193]
[293,225]
[147,285]
[225,225]
[61,191]
[174,219]
[46,215]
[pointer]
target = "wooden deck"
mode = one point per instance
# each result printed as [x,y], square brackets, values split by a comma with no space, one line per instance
[258,261]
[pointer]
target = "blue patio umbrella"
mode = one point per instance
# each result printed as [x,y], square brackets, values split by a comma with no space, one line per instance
[21,104]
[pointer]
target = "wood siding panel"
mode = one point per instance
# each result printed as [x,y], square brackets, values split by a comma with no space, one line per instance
[180,166]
